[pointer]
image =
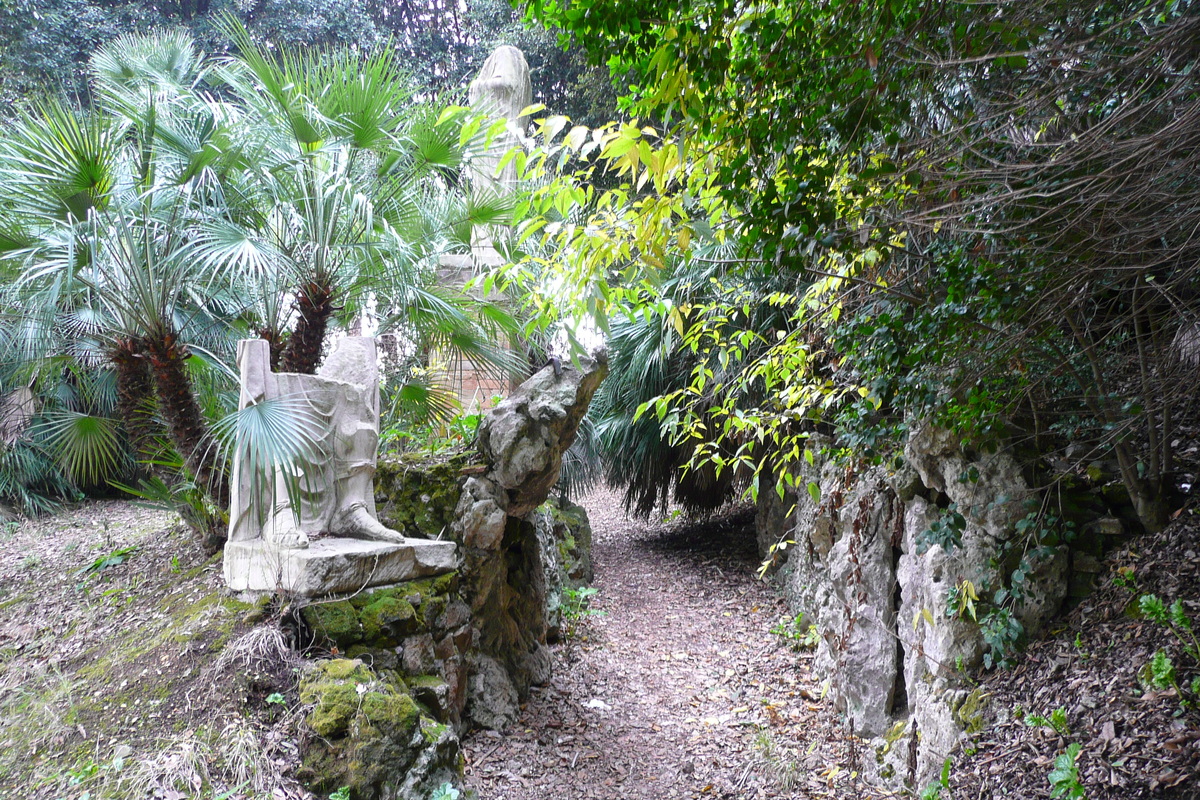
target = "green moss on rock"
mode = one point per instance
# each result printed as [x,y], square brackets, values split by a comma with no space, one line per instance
[971,713]
[418,495]
[379,619]
[432,731]
[386,617]
[371,734]
[336,622]
[391,711]
[332,689]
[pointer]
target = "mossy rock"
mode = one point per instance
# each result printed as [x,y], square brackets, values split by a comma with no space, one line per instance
[431,609]
[387,619]
[336,623]
[344,691]
[381,618]
[418,496]
[331,687]
[972,712]
[371,733]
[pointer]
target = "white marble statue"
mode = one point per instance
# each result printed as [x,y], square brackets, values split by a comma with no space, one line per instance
[502,90]
[336,494]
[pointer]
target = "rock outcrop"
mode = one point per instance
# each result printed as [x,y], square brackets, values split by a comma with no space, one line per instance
[525,436]
[370,734]
[867,566]
[505,566]
[515,560]
[565,544]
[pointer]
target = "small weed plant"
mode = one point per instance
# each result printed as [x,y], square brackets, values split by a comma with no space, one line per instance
[445,792]
[577,606]
[797,635]
[1125,578]
[780,762]
[935,788]
[114,558]
[1057,721]
[1161,672]
[1064,778]
[1174,619]
[577,603]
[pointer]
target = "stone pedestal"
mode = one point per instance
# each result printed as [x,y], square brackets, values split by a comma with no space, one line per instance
[332,566]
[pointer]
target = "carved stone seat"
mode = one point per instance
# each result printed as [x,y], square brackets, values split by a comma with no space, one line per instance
[323,536]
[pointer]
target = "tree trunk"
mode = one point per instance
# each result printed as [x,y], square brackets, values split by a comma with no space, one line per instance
[303,351]
[188,430]
[1152,503]
[135,399]
[275,344]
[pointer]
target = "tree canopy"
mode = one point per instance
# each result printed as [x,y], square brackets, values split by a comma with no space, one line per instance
[982,214]
[45,45]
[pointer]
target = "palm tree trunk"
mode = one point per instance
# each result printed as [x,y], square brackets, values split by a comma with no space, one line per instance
[275,344]
[303,351]
[135,398]
[188,429]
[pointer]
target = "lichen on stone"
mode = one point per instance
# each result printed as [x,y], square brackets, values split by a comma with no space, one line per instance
[971,713]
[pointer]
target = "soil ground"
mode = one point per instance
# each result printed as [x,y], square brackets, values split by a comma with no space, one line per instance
[679,690]
[135,676]
[126,671]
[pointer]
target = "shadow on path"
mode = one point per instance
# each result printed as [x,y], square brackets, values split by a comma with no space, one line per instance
[678,691]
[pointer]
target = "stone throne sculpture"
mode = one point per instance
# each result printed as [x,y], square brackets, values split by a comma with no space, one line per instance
[323,536]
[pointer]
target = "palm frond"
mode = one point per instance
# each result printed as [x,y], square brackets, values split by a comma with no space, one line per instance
[89,447]
[31,481]
[60,164]
[269,441]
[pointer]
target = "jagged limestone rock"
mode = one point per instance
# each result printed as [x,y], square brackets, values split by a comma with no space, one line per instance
[493,701]
[843,581]
[371,735]
[505,567]
[525,436]
[862,572]
[481,514]
[565,541]
[501,615]
[990,491]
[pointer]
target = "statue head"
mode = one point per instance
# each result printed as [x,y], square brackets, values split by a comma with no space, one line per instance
[503,87]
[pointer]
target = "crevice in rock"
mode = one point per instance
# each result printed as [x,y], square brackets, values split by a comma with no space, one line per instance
[900,691]
[939,499]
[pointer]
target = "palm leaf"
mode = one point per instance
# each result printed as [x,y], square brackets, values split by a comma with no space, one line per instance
[269,441]
[89,447]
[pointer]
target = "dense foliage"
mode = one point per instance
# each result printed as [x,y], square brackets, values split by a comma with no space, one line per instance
[982,215]
[200,201]
[45,44]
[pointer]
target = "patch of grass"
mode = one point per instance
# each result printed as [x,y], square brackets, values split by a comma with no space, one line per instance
[781,763]
[36,716]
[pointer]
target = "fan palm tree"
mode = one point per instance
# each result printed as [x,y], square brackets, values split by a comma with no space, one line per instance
[175,221]
[647,359]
